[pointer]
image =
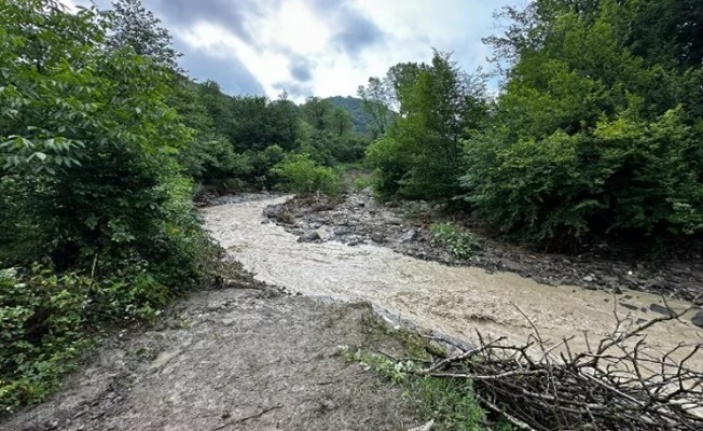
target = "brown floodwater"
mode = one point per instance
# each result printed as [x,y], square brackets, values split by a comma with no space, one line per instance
[457,301]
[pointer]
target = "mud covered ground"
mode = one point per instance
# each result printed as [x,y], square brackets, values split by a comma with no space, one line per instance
[233,359]
[359,219]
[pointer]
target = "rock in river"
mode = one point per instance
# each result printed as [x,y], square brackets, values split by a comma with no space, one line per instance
[408,236]
[698,319]
[661,310]
[309,236]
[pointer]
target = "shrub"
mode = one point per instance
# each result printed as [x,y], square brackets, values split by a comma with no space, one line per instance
[391,162]
[299,174]
[89,184]
[459,243]
[627,176]
[262,162]
[41,320]
[47,320]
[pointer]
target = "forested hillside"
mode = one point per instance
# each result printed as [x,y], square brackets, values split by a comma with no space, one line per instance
[361,112]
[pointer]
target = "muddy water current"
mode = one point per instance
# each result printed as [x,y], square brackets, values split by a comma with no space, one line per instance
[456,301]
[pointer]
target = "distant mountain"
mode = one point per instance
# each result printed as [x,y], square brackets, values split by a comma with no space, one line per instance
[362,121]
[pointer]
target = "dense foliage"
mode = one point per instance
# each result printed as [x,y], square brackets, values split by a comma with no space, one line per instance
[88,186]
[595,131]
[420,156]
[299,173]
[240,139]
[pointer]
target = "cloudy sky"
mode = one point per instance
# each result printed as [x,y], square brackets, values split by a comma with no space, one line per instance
[318,47]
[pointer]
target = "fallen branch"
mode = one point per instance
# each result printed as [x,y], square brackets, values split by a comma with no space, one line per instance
[617,384]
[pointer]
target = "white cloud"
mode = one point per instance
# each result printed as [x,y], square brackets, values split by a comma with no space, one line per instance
[284,41]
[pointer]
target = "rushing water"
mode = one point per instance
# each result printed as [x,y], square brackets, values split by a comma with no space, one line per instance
[453,300]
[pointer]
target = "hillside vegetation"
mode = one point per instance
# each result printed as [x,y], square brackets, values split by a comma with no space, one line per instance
[595,132]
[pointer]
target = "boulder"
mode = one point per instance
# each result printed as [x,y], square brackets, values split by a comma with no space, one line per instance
[408,236]
[271,211]
[309,236]
[661,310]
[324,234]
[698,319]
[377,237]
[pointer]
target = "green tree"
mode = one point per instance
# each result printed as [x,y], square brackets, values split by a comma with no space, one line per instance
[340,122]
[422,155]
[285,118]
[595,130]
[377,102]
[136,27]
[316,112]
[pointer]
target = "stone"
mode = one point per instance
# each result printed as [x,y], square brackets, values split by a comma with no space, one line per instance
[379,238]
[341,231]
[589,279]
[354,240]
[271,211]
[698,319]
[324,234]
[661,310]
[408,236]
[309,236]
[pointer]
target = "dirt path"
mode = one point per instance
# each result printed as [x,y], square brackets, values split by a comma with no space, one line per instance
[232,360]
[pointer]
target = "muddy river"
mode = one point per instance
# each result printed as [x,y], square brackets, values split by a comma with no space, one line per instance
[456,301]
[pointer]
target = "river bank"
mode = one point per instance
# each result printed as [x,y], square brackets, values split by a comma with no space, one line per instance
[358,219]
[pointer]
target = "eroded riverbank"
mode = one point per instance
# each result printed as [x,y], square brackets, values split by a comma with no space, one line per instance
[453,300]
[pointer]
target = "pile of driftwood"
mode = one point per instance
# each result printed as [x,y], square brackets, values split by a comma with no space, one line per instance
[618,384]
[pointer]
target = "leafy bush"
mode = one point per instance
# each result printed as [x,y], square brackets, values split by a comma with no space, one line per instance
[46,318]
[299,174]
[212,160]
[459,243]
[42,320]
[262,163]
[627,176]
[89,184]
[390,161]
